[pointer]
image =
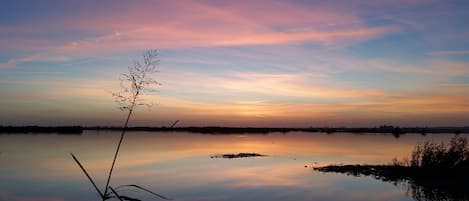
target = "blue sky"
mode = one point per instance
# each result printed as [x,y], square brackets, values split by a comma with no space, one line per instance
[238,63]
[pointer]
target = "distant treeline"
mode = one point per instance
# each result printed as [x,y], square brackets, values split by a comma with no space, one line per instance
[211,129]
[41,129]
[234,130]
[396,131]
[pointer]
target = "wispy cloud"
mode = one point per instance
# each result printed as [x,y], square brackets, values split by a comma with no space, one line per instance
[192,23]
[252,61]
[449,52]
[35,58]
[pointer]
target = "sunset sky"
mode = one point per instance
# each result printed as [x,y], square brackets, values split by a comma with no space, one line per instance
[238,63]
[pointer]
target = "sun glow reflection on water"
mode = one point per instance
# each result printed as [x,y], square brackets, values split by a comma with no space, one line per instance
[178,165]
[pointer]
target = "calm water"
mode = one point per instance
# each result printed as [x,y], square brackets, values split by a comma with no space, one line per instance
[178,165]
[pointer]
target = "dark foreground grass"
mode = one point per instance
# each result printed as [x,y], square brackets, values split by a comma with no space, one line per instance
[423,184]
[435,172]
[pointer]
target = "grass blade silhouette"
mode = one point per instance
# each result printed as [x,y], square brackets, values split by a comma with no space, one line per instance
[174,124]
[119,146]
[146,190]
[87,175]
[115,193]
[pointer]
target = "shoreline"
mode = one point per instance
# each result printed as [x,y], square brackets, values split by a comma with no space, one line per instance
[423,183]
[396,131]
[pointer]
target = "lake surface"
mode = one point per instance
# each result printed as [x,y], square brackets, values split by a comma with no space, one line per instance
[178,165]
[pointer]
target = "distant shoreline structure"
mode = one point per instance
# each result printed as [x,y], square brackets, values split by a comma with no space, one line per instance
[396,131]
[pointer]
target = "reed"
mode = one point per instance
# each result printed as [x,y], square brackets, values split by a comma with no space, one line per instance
[452,155]
[134,84]
[436,171]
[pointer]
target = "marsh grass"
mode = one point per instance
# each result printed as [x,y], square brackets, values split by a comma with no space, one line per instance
[452,155]
[133,84]
[436,171]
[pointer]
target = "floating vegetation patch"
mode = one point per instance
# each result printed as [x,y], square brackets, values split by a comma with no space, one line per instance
[239,155]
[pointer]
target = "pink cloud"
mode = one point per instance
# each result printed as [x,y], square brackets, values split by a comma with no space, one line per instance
[190,23]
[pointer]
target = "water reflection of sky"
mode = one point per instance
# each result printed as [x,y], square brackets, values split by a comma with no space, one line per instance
[39,167]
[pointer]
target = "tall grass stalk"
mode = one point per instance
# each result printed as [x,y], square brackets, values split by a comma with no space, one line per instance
[119,144]
[134,83]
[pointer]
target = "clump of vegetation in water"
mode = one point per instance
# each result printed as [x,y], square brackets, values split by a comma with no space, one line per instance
[436,171]
[240,155]
[454,155]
